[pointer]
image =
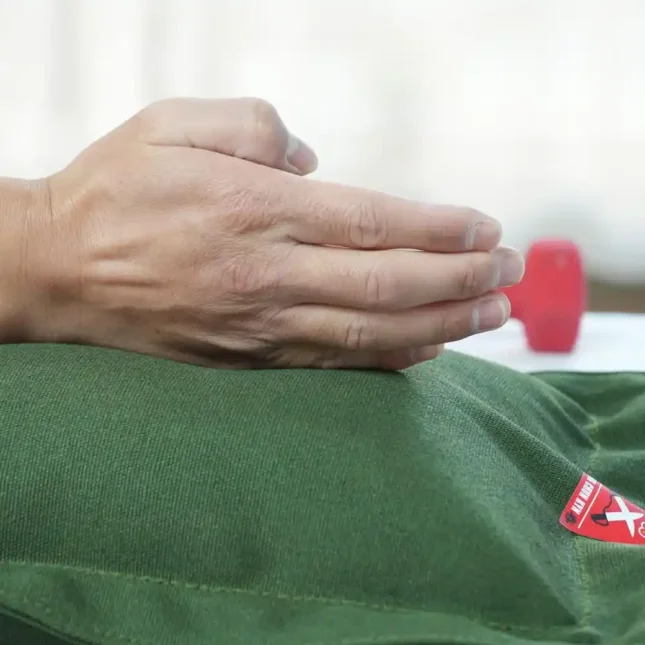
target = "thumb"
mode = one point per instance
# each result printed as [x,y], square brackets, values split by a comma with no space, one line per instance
[246,128]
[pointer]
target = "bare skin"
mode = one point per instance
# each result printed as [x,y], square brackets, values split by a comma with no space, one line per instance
[190,233]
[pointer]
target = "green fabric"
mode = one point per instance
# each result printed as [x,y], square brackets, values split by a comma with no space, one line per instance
[144,502]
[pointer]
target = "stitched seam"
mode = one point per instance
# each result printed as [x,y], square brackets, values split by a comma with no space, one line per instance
[270,594]
[390,639]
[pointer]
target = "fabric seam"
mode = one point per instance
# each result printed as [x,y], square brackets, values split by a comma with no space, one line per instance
[259,594]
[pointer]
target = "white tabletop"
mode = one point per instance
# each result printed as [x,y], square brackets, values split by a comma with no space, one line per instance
[607,343]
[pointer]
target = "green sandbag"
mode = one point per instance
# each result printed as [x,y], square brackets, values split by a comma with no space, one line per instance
[146,502]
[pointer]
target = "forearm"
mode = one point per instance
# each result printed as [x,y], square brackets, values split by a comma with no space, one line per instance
[23,210]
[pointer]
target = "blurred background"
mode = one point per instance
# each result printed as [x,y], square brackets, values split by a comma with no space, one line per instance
[531,110]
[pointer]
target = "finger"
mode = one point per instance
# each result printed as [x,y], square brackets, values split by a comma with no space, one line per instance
[339,359]
[331,214]
[395,360]
[246,128]
[361,331]
[395,279]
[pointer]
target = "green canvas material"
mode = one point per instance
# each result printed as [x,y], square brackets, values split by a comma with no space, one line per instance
[146,502]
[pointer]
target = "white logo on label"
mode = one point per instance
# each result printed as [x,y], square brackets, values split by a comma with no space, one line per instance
[627,516]
[641,530]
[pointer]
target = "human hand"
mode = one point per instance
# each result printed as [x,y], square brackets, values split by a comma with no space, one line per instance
[160,241]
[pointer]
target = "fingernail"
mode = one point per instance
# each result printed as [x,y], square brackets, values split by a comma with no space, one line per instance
[483,235]
[491,313]
[510,267]
[301,156]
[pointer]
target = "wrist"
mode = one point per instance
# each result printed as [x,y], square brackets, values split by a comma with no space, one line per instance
[24,215]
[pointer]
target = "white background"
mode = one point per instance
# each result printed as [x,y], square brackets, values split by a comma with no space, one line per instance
[533,110]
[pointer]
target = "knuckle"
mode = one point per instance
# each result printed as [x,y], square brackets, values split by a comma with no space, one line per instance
[359,335]
[468,280]
[372,288]
[265,113]
[243,276]
[450,327]
[266,127]
[378,290]
[246,211]
[154,117]
[367,229]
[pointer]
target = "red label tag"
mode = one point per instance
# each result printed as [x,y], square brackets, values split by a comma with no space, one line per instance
[600,514]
